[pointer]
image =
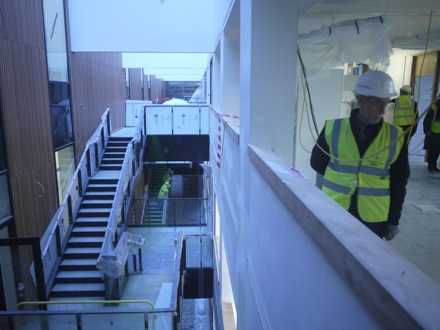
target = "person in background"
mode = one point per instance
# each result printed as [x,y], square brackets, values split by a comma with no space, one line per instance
[163,193]
[405,112]
[167,175]
[363,161]
[431,128]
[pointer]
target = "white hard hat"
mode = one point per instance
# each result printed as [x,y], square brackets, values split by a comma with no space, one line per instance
[375,83]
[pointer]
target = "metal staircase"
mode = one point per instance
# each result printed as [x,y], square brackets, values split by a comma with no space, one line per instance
[77,274]
[154,212]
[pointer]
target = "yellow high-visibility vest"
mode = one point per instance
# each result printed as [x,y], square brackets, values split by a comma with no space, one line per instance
[404,111]
[163,190]
[435,124]
[346,172]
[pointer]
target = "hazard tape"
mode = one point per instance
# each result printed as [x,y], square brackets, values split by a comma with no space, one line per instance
[219,137]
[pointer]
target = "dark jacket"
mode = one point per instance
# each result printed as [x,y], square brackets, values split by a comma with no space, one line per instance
[432,140]
[399,170]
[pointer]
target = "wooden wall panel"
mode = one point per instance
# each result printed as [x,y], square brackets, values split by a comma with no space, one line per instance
[97,82]
[135,84]
[22,21]
[24,95]
[156,89]
[146,97]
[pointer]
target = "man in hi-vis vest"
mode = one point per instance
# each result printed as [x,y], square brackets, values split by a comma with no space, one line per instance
[405,112]
[363,161]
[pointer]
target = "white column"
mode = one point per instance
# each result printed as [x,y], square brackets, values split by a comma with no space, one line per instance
[268,62]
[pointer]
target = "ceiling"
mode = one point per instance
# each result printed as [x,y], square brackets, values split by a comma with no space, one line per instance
[159,26]
[408,17]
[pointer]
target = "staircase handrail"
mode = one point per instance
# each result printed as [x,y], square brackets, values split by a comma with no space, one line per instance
[114,252]
[55,237]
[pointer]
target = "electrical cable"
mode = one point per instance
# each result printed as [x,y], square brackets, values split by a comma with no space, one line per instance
[303,69]
[304,105]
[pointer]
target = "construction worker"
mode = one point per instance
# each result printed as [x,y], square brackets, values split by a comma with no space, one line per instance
[167,175]
[431,128]
[405,112]
[163,192]
[364,165]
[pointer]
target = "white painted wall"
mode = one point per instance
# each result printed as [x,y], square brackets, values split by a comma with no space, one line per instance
[326,94]
[269,64]
[400,67]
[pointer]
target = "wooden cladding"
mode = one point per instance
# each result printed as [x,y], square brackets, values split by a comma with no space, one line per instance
[156,88]
[97,83]
[135,84]
[24,97]
[21,21]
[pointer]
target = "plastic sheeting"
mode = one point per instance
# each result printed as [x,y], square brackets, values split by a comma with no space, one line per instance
[419,42]
[112,263]
[355,41]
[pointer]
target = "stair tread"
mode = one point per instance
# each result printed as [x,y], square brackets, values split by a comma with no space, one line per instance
[88,229]
[91,207]
[96,201]
[78,262]
[96,219]
[76,239]
[101,185]
[79,274]
[98,193]
[78,250]
[63,287]
[94,210]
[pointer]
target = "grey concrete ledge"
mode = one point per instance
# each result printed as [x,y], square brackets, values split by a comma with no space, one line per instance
[233,131]
[396,293]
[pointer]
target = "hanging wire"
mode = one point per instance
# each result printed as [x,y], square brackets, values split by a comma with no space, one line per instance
[303,69]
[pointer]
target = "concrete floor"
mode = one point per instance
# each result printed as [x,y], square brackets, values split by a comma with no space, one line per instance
[419,236]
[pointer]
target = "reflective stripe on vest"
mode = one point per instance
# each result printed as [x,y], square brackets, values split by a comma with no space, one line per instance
[435,124]
[404,111]
[346,173]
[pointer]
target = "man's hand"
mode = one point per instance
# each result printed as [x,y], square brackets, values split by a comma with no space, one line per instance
[391,231]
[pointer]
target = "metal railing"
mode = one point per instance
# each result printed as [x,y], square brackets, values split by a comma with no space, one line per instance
[120,314]
[88,319]
[173,212]
[55,238]
[178,119]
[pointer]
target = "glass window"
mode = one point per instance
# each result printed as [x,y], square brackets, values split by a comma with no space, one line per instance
[65,164]
[5,206]
[54,26]
[62,131]
[2,149]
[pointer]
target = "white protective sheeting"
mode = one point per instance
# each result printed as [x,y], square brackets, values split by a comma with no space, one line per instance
[112,263]
[419,42]
[355,41]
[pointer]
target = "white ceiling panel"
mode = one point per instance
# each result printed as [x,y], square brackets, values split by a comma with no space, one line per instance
[190,26]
